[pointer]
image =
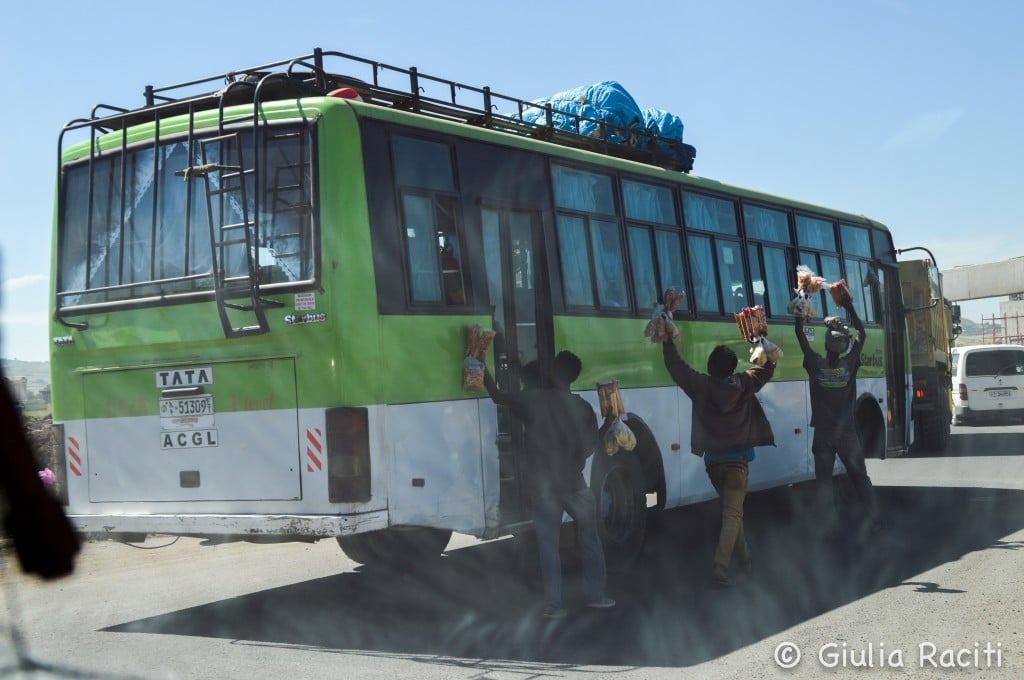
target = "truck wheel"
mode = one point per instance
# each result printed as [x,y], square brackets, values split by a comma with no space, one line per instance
[933,429]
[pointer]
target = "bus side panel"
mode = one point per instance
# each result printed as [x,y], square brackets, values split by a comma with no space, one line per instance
[435,465]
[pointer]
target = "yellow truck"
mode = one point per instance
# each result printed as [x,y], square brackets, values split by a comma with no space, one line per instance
[932,326]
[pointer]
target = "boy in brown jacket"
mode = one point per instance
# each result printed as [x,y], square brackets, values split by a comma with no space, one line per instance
[728,422]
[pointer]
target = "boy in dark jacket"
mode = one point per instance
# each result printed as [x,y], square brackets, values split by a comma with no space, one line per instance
[560,434]
[728,422]
[833,394]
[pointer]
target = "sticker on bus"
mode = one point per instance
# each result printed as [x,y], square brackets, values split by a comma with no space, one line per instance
[194,439]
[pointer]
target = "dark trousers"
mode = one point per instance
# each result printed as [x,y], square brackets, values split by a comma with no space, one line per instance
[547,523]
[844,443]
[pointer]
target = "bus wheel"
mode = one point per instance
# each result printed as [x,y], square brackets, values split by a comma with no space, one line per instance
[618,485]
[395,546]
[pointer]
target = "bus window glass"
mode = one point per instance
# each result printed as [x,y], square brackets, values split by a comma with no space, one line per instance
[423,164]
[648,203]
[106,234]
[758,287]
[583,191]
[572,249]
[766,225]
[830,271]
[855,240]
[670,264]
[778,275]
[860,279]
[709,213]
[773,290]
[702,264]
[815,234]
[422,243]
[140,239]
[883,246]
[645,289]
[608,265]
[730,276]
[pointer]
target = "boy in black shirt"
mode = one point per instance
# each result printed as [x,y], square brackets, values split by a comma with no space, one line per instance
[833,387]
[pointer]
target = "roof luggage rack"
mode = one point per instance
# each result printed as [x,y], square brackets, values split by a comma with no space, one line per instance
[397,88]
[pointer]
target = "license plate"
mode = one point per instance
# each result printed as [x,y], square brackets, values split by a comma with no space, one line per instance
[186,406]
[186,413]
[1000,394]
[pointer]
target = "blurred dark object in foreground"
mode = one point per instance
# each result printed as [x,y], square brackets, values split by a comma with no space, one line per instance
[33,518]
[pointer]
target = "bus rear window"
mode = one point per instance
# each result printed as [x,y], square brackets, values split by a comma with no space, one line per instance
[131,227]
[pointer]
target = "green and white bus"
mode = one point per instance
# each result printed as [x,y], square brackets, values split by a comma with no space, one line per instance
[260,295]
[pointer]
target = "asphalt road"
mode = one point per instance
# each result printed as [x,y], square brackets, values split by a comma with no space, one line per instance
[938,587]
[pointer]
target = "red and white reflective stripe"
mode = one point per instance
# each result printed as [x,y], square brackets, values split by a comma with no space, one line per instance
[314,448]
[76,459]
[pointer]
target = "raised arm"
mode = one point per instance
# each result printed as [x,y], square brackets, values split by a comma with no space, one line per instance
[681,373]
[496,395]
[855,321]
[801,337]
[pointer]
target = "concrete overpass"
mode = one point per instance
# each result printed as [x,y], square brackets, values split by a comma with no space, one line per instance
[980,281]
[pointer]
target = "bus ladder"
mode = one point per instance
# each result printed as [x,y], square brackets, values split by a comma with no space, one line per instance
[289,198]
[232,241]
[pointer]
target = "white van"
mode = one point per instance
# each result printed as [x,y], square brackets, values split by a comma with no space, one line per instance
[988,383]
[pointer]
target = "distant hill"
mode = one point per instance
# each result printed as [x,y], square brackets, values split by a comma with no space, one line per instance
[37,372]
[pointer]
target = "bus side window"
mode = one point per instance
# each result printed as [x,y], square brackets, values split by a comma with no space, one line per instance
[451,272]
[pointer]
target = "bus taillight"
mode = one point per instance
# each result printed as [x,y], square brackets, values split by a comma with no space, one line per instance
[348,455]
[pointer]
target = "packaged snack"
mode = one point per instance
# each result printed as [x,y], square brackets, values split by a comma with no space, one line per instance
[477,342]
[751,323]
[807,285]
[618,437]
[662,327]
[840,293]
[609,400]
[472,374]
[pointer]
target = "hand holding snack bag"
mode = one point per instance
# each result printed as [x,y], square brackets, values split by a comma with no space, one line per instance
[754,329]
[662,326]
[807,284]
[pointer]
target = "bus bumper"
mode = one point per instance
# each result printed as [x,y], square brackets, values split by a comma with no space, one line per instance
[299,527]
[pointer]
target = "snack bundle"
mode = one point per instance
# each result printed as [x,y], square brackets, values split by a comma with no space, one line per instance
[616,434]
[807,284]
[477,342]
[840,293]
[752,323]
[661,327]
[754,329]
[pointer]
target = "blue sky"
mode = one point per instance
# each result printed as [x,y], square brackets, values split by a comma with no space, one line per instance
[908,112]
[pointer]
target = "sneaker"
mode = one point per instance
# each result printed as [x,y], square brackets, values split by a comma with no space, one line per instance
[551,612]
[604,603]
[719,577]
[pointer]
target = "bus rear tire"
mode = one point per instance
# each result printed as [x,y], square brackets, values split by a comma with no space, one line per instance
[618,486]
[395,546]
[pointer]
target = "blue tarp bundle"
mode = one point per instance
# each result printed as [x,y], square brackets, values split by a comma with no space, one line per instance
[578,110]
[606,101]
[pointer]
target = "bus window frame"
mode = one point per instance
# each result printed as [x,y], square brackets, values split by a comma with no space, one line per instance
[156,295]
[433,194]
[596,308]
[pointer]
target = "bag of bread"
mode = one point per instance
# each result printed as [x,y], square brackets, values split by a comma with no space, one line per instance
[840,293]
[807,285]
